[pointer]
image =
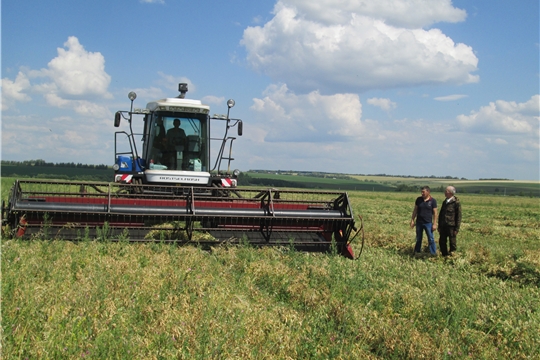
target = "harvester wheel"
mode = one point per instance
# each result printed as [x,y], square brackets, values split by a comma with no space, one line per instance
[9,222]
[138,189]
[189,229]
[220,191]
[5,224]
[4,212]
[358,231]
[207,223]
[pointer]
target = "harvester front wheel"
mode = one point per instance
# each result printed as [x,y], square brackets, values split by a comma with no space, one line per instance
[138,188]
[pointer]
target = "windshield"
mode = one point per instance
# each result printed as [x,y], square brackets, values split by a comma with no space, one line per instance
[177,141]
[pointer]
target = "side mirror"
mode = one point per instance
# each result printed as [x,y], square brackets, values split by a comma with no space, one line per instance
[240,127]
[117,119]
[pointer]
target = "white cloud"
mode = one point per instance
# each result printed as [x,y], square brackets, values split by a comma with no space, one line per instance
[152,1]
[77,72]
[497,141]
[409,13]
[71,81]
[59,139]
[504,117]
[81,107]
[215,100]
[385,104]
[313,117]
[450,97]
[386,147]
[13,91]
[319,45]
[149,94]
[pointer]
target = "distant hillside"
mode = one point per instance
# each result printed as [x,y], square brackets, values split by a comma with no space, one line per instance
[328,181]
[389,183]
[291,179]
[326,174]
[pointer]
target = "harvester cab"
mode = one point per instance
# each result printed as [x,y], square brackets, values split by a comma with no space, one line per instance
[176,143]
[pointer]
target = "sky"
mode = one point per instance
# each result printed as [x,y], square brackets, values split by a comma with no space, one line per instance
[408,87]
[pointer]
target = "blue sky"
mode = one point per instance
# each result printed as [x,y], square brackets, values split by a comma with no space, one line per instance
[409,87]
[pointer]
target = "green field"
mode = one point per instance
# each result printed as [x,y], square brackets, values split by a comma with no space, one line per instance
[392,183]
[494,187]
[98,299]
[331,182]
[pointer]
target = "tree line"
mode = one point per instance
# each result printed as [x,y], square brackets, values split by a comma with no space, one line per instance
[343,176]
[41,162]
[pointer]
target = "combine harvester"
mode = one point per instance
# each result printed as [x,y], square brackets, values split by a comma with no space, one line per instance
[167,191]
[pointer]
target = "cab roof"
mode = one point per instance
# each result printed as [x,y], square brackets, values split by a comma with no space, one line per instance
[178,105]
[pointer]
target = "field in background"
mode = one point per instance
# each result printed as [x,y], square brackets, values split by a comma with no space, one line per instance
[119,300]
[395,183]
[305,180]
[494,187]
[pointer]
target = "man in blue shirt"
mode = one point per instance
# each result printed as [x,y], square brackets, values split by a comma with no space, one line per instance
[425,214]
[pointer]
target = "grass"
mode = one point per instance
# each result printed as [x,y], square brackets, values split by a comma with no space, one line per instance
[97,299]
[108,300]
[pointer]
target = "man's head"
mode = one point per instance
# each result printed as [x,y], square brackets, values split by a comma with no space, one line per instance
[426,191]
[449,191]
[176,123]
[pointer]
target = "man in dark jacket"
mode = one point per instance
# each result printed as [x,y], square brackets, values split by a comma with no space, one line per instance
[449,221]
